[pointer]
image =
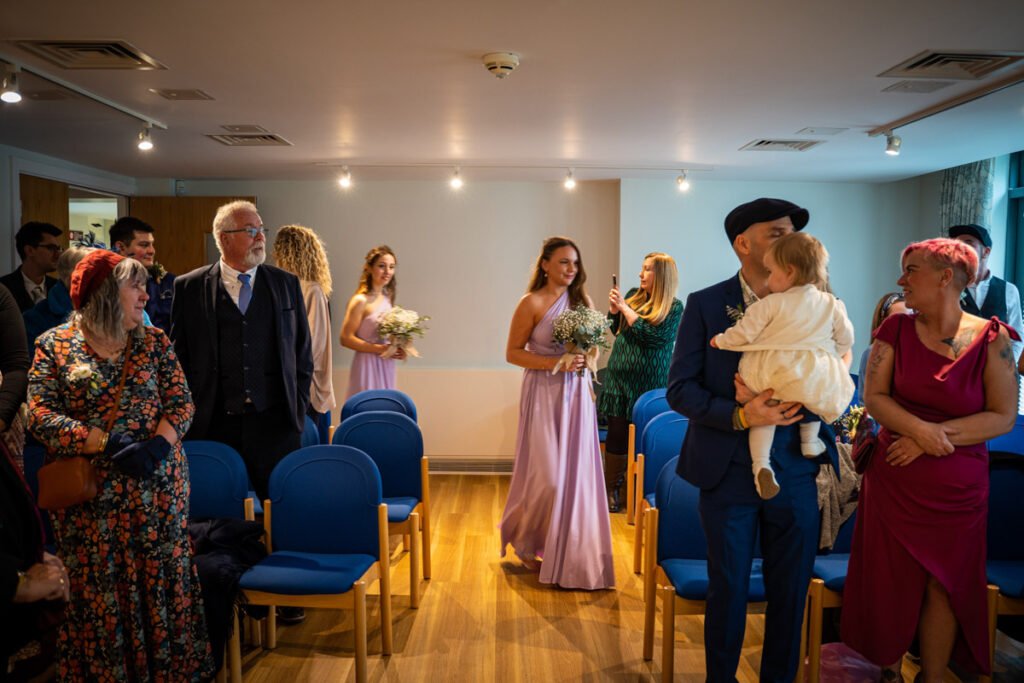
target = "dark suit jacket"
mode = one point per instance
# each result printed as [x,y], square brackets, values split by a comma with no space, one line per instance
[700,386]
[194,333]
[16,283]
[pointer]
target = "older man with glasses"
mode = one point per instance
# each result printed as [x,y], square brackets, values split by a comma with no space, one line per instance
[39,247]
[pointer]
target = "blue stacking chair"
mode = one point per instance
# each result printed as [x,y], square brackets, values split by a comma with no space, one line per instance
[1005,561]
[327,534]
[378,399]
[675,563]
[826,590]
[219,487]
[395,444]
[650,404]
[310,433]
[660,442]
[1011,442]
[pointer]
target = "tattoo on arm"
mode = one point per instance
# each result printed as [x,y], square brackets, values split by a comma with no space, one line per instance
[960,342]
[1006,353]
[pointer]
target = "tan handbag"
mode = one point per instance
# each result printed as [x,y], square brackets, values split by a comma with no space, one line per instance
[71,481]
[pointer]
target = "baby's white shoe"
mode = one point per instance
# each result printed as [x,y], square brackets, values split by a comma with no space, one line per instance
[765,483]
[812,448]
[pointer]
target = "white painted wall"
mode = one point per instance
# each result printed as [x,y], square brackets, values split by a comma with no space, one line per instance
[864,227]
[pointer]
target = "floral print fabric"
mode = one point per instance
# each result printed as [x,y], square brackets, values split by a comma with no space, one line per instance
[135,612]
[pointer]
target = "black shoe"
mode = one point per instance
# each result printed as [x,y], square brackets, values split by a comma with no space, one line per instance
[614,502]
[291,615]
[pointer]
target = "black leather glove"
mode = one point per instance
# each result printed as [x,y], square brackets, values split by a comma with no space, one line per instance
[140,460]
[117,441]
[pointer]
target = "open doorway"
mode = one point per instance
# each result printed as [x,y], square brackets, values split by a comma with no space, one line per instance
[90,215]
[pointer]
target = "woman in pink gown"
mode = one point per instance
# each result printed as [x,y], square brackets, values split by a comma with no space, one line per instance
[941,382]
[556,517]
[374,297]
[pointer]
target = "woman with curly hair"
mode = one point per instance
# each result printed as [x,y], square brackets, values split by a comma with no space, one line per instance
[300,251]
[374,297]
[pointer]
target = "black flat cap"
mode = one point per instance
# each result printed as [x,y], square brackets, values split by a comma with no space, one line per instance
[974,230]
[761,211]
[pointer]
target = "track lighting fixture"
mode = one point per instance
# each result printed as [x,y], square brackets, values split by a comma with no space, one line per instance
[893,143]
[345,180]
[9,91]
[570,182]
[145,141]
[456,181]
[682,183]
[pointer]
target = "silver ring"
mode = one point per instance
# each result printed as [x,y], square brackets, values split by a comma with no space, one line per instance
[62,581]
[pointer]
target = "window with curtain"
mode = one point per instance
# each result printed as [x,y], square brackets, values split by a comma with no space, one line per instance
[1015,221]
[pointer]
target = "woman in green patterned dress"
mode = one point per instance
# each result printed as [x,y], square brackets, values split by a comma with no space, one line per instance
[645,323]
[135,611]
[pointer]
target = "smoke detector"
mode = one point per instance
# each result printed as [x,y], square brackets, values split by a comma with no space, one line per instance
[501,64]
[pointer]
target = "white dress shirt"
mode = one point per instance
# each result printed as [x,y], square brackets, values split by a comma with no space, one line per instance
[229,278]
[36,290]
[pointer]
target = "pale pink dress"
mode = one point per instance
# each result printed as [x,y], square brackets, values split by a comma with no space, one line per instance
[557,509]
[370,371]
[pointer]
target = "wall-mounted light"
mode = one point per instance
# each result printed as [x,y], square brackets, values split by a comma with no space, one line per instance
[456,181]
[9,91]
[145,138]
[682,184]
[893,143]
[345,179]
[570,182]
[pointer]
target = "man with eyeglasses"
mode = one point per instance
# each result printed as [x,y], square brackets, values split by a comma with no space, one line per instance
[38,246]
[240,330]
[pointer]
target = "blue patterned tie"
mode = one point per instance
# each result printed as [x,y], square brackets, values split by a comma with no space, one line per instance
[245,295]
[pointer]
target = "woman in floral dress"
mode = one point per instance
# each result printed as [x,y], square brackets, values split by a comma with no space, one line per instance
[135,612]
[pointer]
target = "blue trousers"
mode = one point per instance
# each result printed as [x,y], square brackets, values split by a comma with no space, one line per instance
[733,518]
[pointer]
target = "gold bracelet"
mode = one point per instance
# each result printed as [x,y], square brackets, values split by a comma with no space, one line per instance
[22,580]
[742,418]
[103,441]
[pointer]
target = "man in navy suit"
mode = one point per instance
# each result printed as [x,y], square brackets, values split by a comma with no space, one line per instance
[715,457]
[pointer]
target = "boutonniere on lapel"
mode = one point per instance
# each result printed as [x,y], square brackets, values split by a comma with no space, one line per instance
[735,312]
[157,272]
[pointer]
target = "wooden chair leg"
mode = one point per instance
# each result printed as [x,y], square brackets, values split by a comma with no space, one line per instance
[414,562]
[425,518]
[256,631]
[649,584]
[638,540]
[631,475]
[235,650]
[406,544]
[816,597]
[271,639]
[992,598]
[360,637]
[222,675]
[668,630]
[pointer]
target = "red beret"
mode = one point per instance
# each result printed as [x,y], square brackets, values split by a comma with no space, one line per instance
[90,273]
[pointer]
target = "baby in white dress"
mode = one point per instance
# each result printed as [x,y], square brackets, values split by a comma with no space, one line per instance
[793,341]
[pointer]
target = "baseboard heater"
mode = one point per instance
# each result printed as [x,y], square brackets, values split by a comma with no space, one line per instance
[446,464]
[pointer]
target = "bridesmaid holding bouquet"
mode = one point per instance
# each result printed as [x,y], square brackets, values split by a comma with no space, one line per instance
[374,297]
[556,517]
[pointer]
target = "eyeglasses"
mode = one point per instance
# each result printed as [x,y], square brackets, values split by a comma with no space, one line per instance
[252,231]
[54,248]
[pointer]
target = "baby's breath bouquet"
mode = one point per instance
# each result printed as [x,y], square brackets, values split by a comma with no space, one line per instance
[581,330]
[399,326]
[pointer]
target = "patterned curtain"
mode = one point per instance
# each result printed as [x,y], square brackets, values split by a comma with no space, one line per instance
[967,193]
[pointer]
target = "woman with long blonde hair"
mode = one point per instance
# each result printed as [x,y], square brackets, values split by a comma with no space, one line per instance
[645,323]
[300,251]
[374,296]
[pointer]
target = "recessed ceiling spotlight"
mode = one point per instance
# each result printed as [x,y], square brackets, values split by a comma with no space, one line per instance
[893,143]
[456,181]
[345,180]
[570,182]
[145,141]
[9,91]
[682,183]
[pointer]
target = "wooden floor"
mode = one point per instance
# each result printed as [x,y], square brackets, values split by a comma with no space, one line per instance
[483,618]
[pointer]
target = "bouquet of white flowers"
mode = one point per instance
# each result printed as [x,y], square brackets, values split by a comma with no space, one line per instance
[399,326]
[581,329]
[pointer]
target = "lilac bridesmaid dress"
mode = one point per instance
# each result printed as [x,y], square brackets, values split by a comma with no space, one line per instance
[370,371]
[557,509]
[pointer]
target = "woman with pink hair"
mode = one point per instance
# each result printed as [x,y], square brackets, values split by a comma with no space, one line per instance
[940,382]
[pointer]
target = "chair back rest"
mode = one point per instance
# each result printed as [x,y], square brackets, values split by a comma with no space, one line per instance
[394,442]
[680,535]
[1005,512]
[219,481]
[310,433]
[662,438]
[324,499]
[379,399]
[1011,442]
[648,405]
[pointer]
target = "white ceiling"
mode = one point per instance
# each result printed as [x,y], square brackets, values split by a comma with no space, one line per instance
[619,84]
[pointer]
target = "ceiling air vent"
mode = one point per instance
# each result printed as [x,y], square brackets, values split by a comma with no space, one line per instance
[780,145]
[961,65]
[91,54]
[254,140]
[180,94]
[918,87]
[244,128]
